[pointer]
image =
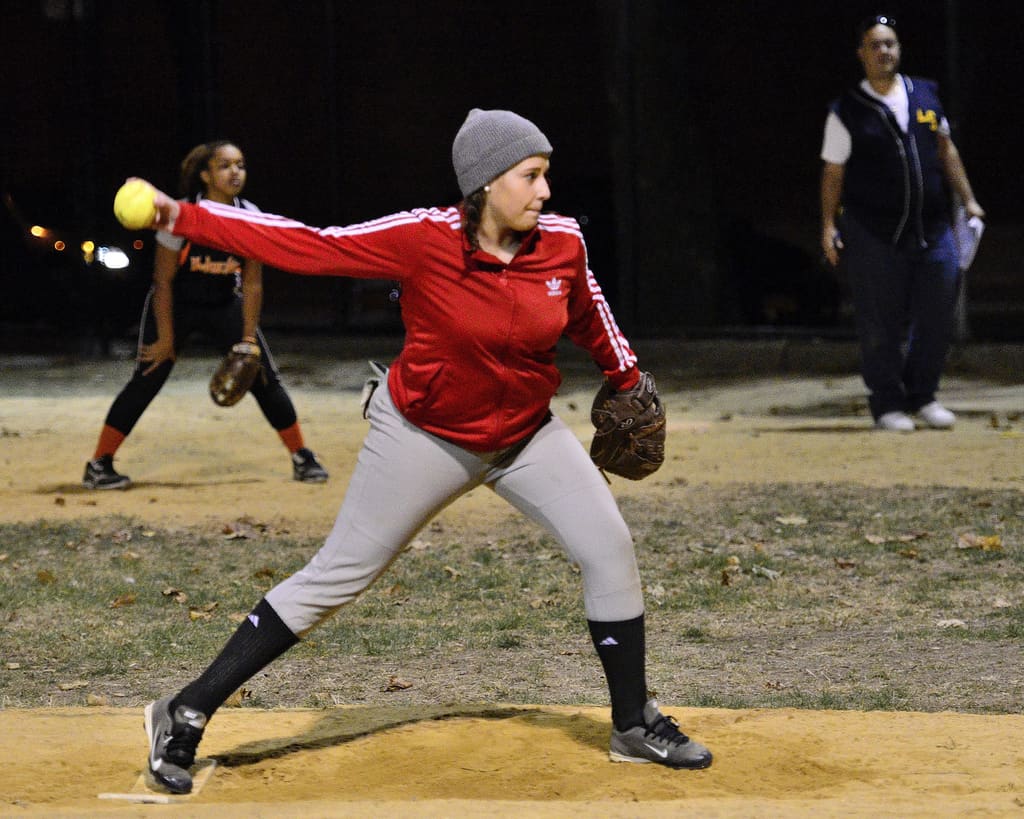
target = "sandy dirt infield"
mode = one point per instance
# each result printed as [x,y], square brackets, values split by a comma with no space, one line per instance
[195,463]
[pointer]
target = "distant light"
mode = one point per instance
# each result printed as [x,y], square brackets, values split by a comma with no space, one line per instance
[88,246]
[58,245]
[37,231]
[112,258]
[138,244]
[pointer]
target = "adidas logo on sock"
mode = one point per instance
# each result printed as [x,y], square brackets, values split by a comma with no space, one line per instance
[609,641]
[254,619]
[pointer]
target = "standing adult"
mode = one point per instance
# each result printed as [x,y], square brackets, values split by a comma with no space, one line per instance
[198,288]
[889,165]
[488,288]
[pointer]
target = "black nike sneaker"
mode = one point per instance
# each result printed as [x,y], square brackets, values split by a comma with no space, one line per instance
[658,740]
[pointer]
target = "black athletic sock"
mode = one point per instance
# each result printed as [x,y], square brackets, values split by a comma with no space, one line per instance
[261,638]
[620,645]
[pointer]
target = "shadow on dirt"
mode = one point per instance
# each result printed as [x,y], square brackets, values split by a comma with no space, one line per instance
[345,725]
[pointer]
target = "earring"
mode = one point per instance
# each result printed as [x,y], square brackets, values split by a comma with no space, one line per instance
[487,188]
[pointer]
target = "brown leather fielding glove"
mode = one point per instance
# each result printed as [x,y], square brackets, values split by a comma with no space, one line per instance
[234,376]
[629,439]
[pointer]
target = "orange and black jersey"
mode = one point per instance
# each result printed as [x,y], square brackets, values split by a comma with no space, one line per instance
[206,275]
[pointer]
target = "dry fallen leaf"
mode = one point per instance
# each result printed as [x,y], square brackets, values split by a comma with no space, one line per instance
[203,612]
[45,576]
[397,684]
[176,594]
[96,699]
[791,520]
[845,563]
[876,540]
[984,543]
[236,699]
[951,623]
[656,592]
[764,571]
[123,600]
[71,686]
[732,568]
[455,574]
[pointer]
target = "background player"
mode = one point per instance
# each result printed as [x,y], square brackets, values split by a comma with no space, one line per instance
[200,288]
[487,290]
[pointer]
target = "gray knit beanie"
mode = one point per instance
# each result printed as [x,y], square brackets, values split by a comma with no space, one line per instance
[491,142]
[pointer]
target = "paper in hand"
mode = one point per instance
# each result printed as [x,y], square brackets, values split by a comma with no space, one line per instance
[967,234]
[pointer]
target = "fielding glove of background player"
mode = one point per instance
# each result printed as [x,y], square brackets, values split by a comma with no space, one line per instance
[234,376]
[629,439]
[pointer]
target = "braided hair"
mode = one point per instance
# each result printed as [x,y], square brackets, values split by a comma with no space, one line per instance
[472,208]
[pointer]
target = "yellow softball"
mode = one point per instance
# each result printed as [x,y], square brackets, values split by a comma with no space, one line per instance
[133,204]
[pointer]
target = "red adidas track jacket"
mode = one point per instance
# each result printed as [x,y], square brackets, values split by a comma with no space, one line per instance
[478,364]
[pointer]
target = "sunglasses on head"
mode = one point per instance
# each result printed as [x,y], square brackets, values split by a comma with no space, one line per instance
[877,20]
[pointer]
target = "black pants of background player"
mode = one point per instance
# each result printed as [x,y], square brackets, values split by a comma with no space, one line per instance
[221,323]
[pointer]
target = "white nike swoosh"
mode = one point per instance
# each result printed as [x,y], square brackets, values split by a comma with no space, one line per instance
[658,751]
[156,761]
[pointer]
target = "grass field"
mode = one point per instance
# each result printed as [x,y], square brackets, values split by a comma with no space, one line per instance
[808,596]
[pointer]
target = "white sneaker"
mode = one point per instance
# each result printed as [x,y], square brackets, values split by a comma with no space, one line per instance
[936,416]
[895,422]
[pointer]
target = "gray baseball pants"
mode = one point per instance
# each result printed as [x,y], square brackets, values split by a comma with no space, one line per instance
[404,476]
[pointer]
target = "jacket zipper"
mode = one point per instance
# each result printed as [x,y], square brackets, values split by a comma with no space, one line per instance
[906,176]
[920,193]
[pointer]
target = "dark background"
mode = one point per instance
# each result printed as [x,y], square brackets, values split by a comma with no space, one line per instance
[686,140]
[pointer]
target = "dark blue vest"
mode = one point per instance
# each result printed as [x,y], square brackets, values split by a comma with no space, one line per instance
[894,184]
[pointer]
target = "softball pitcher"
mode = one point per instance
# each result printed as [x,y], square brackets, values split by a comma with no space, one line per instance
[200,288]
[488,287]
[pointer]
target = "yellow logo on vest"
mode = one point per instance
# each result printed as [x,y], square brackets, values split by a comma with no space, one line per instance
[204,264]
[928,117]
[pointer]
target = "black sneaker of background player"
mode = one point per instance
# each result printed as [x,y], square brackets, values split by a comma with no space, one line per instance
[306,468]
[100,474]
